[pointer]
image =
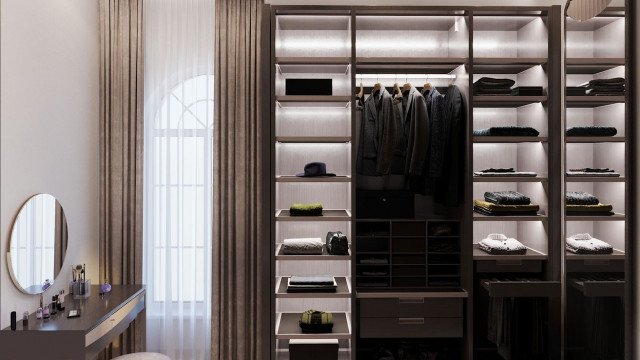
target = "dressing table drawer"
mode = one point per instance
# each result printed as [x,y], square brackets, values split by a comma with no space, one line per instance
[126,313]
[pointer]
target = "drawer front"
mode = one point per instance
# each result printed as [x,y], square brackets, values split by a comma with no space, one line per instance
[415,327]
[518,266]
[411,307]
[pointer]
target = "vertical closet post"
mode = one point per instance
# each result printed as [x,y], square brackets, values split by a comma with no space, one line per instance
[354,152]
[269,20]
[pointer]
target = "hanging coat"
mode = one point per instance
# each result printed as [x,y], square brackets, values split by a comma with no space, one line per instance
[377,137]
[412,144]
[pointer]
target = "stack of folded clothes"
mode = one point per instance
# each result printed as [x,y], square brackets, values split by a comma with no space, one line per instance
[592,131]
[303,246]
[527,91]
[503,172]
[501,203]
[499,244]
[507,131]
[321,283]
[593,172]
[316,322]
[492,86]
[585,244]
[576,91]
[582,203]
[306,209]
[610,87]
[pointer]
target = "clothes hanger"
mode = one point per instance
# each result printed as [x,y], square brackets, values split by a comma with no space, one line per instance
[427,86]
[397,93]
[406,87]
[377,86]
[361,92]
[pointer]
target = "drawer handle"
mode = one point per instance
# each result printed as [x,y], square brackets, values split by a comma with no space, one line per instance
[411,300]
[410,321]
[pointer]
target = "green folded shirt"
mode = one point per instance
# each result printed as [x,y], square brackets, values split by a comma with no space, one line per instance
[314,317]
[314,209]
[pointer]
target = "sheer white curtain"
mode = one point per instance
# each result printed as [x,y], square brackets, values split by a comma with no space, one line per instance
[179,40]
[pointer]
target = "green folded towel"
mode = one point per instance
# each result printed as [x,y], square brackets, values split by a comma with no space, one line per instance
[314,317]
[306,209]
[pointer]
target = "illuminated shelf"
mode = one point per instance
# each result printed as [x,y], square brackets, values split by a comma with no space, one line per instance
[313,139]
[327,215]
[509,179]
[313,65]
[509,139]
[614,217]
[481,217]
[595,139]
[595,179]
[287,327]
[342,291]
[588,101]
[324,257]
[313,101]
[592,65]
[531,254]
[314,179]
[505,101]
[487,65]
[616,255]
[394,65]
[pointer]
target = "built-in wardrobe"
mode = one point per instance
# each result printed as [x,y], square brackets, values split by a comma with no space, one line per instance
[414,281]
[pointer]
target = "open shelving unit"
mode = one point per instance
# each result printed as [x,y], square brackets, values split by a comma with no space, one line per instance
[595,49]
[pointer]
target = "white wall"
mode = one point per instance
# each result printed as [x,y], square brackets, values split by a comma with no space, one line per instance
[49,57]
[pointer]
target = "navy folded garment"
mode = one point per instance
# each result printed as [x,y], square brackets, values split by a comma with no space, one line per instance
[507,131]
[506,198]
[606,82]
[580,198]
[493,82]
[591,131]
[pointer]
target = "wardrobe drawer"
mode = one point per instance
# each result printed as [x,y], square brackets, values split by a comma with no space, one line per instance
[411,307]
[510,266]
[411,327]
[524,288]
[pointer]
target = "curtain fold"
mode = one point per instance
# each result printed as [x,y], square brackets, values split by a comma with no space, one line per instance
[121,150]
[241,297]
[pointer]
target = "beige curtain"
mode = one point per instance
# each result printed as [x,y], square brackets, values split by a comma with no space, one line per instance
[121,146]
[241,302]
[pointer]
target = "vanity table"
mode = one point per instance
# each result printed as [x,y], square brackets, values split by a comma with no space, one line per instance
[102,319]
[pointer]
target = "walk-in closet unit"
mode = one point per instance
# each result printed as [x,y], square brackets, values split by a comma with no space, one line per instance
[434,139]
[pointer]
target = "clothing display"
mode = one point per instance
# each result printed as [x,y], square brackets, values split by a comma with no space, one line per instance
[499,244]
[302,246]
[527,91]
[379,132]
[593,172]
[589,210]
[315,169]
[491,172]
[585,244]
[506,198]
[322,283]
[608,87]
[314,209]
[337,243]
[591,131]
[488,208]
[507,131]
[580,198]
[316,322]
[492,86]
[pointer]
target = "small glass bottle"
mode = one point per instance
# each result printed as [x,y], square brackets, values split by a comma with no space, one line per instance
[45,312]
[25,320]
[39,313]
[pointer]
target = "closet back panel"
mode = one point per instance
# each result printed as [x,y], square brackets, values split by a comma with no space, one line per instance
[297,121]
[601,37]
[608,193]
[301,229]
[291,158]
[532,234]
[606,155]
[533,115]
[411,36]
[312,36]
[509,37]
[579,79]
[304,304]
[331,195]
[612,232]
[533,76]
[508,155]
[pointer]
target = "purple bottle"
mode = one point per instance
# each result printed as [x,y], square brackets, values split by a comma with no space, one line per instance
[106,287]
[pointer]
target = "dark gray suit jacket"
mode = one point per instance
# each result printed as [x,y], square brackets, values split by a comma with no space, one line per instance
[378,133]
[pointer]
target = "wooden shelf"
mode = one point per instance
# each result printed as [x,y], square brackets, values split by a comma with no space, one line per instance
[505,101]
[615,217]
[394,65]
[320,60]
[313,65]
[616,255]
[595,179]
[342,291]
[594,139]
[313,101]
[327,215]
[515,179]
[481,217]
[509,139]
[487,65]
[313,139]
[479,255]
[314,179]
[287,327]
[592,101]
[324,257]
[592,65]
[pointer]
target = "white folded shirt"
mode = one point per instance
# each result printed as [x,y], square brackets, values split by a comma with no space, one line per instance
[502,243]
[587,243]
[302,246]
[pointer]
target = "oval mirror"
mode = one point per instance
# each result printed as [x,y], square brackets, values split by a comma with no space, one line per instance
[38,244]
[583,10]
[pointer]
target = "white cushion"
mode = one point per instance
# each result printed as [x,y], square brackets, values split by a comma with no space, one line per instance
[143,356]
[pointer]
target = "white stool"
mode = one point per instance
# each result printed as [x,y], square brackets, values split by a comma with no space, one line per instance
[143,356]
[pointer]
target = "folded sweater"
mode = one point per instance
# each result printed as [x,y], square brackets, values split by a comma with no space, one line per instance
[303,246]
[592,131]
[495,209]
[580,198]
[499,244]
[506,198]
[493,82]
[507,131]
[599,209]
[585,244]
[306,209]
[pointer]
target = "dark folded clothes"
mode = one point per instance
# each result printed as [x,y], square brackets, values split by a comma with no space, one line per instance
[504,213]
[506,174]
[309,288]
[507,131]
[374,261]
[496,208]
[576,91]
[606,82]
[527,91]
[580,198]
[498,170]
[603,92]
[599,209]
[316,328]
[306,209]
[492,91]
[506,198]
[593,170]
[493,82]
[591,131]
[590,213]
[312,280]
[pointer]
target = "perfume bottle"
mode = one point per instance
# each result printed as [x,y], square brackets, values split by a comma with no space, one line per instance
[60,301]
[53,306]
[39,313]
[45,312]
[106,287]
[25,320]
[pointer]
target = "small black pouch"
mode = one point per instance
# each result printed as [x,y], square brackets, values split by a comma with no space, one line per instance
[308,87]
[337,243]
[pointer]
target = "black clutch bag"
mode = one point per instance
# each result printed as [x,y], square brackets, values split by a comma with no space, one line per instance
[337,243]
